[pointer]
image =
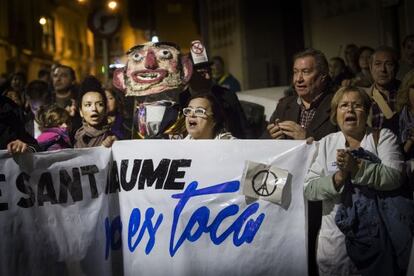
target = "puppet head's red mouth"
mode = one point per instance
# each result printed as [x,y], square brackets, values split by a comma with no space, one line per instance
[149,76]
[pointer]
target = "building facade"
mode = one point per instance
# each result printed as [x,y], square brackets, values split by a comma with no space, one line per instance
[34,34]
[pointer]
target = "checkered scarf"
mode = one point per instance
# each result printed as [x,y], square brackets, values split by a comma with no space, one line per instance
[377,117]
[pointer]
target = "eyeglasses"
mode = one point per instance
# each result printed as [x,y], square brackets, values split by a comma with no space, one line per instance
[355,106]
[198,112]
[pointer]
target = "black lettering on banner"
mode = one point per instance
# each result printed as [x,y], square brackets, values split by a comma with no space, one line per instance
[174,173]
[127,186]
[149,175]
[112,182]
[21,179]
[74,186]
[90,171]
[3,206]
[46,182]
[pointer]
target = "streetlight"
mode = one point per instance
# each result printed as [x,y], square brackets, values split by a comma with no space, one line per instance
[112,5]
[42,21]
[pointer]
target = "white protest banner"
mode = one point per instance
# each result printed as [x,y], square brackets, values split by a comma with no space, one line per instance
[172,207]
[52,208]
[193,219]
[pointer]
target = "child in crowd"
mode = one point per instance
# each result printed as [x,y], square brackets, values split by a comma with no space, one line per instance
[54,122]
[93,110]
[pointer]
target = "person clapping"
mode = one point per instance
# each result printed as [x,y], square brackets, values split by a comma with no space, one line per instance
[359,164]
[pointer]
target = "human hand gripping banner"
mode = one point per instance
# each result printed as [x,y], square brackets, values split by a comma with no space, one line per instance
[155,207]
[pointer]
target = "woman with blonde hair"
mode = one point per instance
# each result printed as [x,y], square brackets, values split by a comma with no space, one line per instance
[354,162]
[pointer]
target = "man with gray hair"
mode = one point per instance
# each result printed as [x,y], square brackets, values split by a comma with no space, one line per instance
[303,116]
[384,68]
[306,114]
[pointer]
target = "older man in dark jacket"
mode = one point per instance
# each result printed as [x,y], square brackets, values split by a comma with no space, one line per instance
[306,114]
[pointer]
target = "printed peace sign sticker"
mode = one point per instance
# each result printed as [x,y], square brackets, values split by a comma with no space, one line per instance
[265,182]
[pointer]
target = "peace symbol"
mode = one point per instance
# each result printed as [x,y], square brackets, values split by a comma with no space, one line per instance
[268,183]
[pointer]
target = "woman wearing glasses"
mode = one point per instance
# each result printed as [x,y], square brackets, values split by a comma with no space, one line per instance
[354,156]
[204,119]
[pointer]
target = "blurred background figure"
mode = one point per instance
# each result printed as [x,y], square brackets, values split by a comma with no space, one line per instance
[351,58]
[407,57]
[4,82]
[116,112]
[37,95]
[405,106]
[338,72]
[18,82]
[44,75]
[204,119]
[15,96]
[363,78]
[223,78]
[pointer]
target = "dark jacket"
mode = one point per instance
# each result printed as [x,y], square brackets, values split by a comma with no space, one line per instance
[12,125]
[288,109]
[229,82]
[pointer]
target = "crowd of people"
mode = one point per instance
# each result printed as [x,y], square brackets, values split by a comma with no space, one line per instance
[360,109]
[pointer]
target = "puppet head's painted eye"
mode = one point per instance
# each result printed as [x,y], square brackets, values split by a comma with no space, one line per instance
[137,56]
[165,54]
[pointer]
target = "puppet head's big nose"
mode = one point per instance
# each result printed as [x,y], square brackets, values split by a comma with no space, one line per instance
[151,60]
